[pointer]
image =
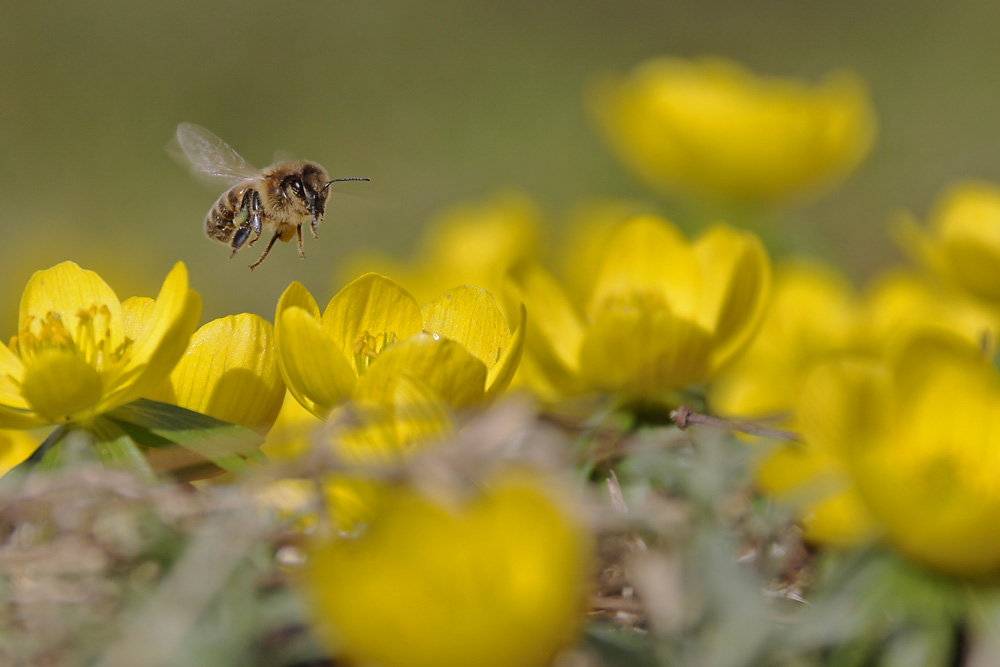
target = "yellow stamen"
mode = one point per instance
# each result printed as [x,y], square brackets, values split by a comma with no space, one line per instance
[368,346]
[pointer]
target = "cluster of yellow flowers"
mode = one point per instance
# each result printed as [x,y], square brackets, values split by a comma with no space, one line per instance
[893,392]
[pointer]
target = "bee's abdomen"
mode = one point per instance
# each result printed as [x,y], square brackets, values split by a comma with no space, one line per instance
[219,223]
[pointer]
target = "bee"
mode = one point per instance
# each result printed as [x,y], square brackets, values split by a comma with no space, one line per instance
[280,198]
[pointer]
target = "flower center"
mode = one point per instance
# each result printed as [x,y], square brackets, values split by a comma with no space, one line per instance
[88,341]
[368,345]
[67,361]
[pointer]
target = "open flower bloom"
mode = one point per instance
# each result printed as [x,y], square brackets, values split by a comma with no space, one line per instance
[663,314]
[496,580]
[372,333]
[918,438]
[73,359]
[962,242]
[711,129]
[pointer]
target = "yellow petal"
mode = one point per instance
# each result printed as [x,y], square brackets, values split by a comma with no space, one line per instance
[642,352]
[11,376]
[420,414]
[297,295]
[831,510]
[14,418]
[648,263]
[230,372]
[499,376]
[15,448]
[556,333]
[736,286]
[61,387]
[313,366]
[289,437]
[65,290]
[469,315]
[844,403]
[443,365]
[373,305]
[162,341]
[136,311]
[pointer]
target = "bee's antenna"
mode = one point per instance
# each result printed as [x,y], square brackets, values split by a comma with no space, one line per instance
[353,178]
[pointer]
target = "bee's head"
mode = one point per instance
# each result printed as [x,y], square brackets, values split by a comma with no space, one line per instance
[308,189]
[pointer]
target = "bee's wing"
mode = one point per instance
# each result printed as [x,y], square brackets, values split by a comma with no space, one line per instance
[209,156]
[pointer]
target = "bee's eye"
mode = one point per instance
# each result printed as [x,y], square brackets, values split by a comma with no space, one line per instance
[296,186]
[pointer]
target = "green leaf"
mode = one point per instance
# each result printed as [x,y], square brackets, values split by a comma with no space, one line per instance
[163,426]
[116,449]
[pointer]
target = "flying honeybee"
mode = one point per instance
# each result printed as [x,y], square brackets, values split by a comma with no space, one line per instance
[280,198]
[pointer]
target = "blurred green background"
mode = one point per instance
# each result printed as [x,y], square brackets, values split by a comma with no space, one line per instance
[437,102]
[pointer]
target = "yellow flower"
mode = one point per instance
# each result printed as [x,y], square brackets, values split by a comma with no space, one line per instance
[711,129]
[372,333]
[921,439]
[963,241]
[496,581]
[814,313]
[468,244]
[663,313]
[73,359]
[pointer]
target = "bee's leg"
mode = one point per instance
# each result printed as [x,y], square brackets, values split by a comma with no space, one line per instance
[256,214]
[245,213]
[298,231]
[239,238]
[266,250]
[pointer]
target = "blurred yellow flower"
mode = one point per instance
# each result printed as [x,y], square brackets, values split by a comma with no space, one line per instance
[472,243]
[663,314]
[920,436]
[815,313]
[711,129]
[496,581]
[372,333]
[73,357]
[963,240]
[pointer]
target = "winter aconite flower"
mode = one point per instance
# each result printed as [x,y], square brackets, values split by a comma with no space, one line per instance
[663,313]
[711,129]
[497,580]
[962,242]
[373,332]
[73,358]
[919,440]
